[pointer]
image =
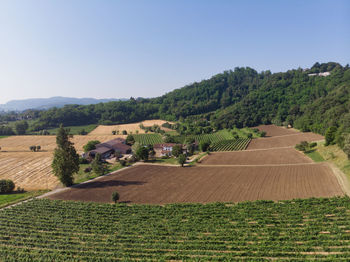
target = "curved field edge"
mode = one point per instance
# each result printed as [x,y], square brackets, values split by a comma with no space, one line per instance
[46,230]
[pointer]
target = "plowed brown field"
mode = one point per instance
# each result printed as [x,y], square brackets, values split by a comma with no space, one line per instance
[272,130]
[257,157]
[161,185]
[283,141]
[107,130]
[28,170]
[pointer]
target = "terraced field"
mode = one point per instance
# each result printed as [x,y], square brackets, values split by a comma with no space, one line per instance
[298,230]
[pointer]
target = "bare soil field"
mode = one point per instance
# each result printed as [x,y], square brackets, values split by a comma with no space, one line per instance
[283,141]
[130,128]
[160,185]
[47,143]
[28,170]
[272,130]
[257,157]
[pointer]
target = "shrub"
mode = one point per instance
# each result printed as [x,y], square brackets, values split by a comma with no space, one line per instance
[114,132]
[83,160]
[91,145]
[262,133]
[204,146]
[124,132]
[115,196]
[6,186]
[38,148]
[313,144]
[122,162]
[250,135]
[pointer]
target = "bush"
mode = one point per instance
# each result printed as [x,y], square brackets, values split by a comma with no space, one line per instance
[91,145]
[122,162]
[83,160]
[313,144]
[115,196]
[6,186]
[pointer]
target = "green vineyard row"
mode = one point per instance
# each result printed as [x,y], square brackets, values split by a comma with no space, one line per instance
[298,230]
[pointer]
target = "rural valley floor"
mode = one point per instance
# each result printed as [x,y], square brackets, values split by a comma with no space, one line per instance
[274,170]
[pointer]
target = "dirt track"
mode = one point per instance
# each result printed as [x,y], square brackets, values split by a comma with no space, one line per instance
[258,157]
[160,185]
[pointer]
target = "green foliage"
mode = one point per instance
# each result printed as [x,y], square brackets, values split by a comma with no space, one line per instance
[293,230]
[6,186]
[330,135]
[21,127]
[124,132]
[130,140]
[177,150]
[204,146]
[115,196]
[347,145]
[91,145]
[66,160]
[181,159]
[142,153]
[6,131]
[303,146]
[97,166]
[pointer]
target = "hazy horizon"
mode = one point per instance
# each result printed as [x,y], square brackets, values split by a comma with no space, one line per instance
[105,49]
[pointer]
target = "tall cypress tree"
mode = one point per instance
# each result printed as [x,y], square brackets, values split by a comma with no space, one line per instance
[66,160]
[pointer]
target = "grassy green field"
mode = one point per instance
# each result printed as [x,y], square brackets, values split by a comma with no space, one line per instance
[74,130]
[3,137]
[13,198]
[315,156]
[297,230]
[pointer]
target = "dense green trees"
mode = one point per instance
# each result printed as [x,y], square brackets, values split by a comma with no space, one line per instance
[91,145]
[21,127]
[66,159]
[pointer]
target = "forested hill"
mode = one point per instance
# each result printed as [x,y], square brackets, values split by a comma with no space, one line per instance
[242,97]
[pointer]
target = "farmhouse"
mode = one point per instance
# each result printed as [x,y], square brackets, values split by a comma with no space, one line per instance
[166,149]
[108,148]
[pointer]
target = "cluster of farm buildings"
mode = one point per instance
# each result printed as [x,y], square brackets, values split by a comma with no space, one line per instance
[109,148]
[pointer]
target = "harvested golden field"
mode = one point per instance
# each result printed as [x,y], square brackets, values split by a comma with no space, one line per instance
[257,157]
[29,170]
[152,184]
[130,128]
[47,143]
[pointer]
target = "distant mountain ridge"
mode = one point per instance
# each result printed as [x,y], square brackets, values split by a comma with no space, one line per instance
[46,103]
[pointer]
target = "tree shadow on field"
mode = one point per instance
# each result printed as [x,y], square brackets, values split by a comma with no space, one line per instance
[109,183]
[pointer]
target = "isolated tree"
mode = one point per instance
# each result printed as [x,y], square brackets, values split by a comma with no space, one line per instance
[181,159]
[66,160]
[6,186]
[130,140]
[97,165]
[38,148]
[330,135]
[142,153]
[21,127]
[346,147]
[177,150]
[124,132]
[91,145]
[114,132]
[32,148]
[204,146]
[115,196]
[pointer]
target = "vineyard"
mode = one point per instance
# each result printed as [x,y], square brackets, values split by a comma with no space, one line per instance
[298,230]
[148,139]
[231,144]
[214,137]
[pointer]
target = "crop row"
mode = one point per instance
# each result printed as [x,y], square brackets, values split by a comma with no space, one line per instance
[148,139]
[231,144]
[214,137]
[46,230]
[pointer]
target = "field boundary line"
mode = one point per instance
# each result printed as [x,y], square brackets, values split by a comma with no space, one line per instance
[262,165]
[341,177]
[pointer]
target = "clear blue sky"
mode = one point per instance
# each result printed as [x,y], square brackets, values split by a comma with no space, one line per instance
[146,48]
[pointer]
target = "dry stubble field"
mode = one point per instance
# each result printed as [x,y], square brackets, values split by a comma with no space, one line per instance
[32,170]
[107,130]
